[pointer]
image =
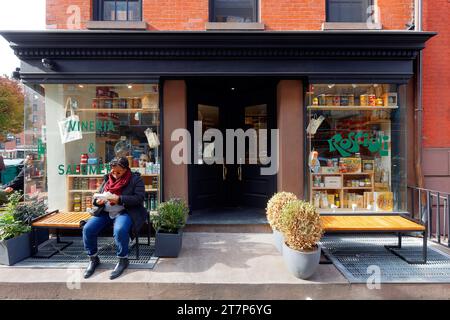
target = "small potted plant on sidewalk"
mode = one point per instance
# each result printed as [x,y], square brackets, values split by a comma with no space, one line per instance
[302,228]
[273,212]
[169,223]
[15,241]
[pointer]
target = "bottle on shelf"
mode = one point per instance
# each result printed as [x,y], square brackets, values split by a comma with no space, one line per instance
[337,201]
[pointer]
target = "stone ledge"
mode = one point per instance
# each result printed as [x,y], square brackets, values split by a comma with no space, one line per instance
[229,26]
[349,26]
[116,25]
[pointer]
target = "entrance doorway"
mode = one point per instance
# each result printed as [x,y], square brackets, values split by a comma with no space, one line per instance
[231,104]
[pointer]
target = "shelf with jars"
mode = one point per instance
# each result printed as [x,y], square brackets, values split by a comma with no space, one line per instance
[349,133]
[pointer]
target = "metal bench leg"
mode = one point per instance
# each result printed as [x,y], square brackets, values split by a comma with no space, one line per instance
[149,232]
[58,241]
[425,247]
[34,241]
[399,245]
[137,247]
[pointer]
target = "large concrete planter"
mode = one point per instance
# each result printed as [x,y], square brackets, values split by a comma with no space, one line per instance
[302,264]
[278,240]
[168,244]
[15,249]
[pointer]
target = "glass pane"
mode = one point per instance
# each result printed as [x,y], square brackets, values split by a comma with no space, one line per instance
[234,11]
[109,10]
[97,123]
[256,118]
[347,10]
[357,138]
[35,145]
[209,116]
[121,10]
[134,13]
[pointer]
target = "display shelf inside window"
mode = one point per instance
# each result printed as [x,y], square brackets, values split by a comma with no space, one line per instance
[118,114]
[349,139]
[35,177]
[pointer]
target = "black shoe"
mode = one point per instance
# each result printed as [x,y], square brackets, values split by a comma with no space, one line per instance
[95,261]
[120,267]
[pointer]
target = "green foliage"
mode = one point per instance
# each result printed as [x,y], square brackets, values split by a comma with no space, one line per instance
[11,107]
[171,216]
[301,225]
[11,225]
[27,211]
[13,202]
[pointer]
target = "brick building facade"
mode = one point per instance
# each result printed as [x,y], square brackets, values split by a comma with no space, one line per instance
[436,96]
[285,62]
[176,15]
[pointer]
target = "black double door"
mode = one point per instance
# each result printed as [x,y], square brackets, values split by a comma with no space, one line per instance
[231,105]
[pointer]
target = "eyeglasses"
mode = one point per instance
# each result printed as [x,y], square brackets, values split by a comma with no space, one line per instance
[121,162]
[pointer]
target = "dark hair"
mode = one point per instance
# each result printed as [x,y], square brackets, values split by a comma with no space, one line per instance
[120,161]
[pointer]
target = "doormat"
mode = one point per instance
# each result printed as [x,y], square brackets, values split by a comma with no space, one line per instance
[364,259]
[74,256]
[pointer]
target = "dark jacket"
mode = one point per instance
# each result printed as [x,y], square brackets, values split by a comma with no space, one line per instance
[132,199]
[17,183]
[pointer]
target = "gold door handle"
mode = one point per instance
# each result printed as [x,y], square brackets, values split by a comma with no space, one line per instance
[240,173]
[224,172]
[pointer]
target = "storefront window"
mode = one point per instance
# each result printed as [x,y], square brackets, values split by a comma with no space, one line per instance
[234,10]
[356,142]
[34,145]
[82,128]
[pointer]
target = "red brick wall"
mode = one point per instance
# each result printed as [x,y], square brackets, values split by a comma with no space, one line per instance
[292,14]
[176,14]
[436,75]
[396,14]
[192,14]
[59,11]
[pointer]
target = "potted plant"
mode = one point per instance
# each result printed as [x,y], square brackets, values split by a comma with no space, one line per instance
[15,244]
[169,222]
[273,212]
[302,228]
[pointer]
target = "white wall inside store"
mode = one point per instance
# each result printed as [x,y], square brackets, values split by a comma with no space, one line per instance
[56,154]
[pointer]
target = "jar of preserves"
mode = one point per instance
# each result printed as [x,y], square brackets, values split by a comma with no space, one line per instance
[379,102]
[372,100]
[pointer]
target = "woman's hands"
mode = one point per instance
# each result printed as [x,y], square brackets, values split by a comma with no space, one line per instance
[101,202]
[114,199]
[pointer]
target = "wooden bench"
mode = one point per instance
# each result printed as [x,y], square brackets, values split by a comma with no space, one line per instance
[71,221]
[377,224]
[57,220]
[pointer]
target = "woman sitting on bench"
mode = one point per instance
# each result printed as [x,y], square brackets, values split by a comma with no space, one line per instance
[122,206]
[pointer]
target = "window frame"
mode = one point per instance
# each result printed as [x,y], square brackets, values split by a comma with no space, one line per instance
[327,13]
[98,14]
[212,14]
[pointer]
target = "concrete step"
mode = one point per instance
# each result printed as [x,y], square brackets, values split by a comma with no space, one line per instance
[213,266]
[229,228]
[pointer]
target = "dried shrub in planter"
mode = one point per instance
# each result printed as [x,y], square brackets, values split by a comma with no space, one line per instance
[275,205]
[301,225]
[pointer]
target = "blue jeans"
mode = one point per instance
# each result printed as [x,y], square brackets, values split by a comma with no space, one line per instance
[122,227]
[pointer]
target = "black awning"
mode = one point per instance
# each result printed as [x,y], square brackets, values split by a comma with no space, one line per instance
[115,56]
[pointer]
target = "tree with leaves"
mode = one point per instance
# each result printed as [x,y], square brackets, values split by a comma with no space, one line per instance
[11,107]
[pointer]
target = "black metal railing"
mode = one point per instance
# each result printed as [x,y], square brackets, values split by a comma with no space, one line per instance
[432,208]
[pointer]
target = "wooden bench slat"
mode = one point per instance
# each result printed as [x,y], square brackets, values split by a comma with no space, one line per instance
[369,223]
[70,220]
